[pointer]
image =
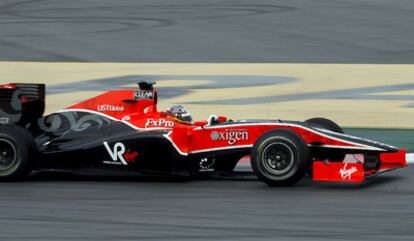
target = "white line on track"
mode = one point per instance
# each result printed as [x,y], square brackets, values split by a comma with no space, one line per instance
[410,158]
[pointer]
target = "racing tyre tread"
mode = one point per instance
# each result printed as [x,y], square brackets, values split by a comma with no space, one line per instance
[298,149]
[23,145]
[325,123]
[331,126]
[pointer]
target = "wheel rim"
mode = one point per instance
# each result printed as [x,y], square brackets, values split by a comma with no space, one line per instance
[278,158]
[7,155]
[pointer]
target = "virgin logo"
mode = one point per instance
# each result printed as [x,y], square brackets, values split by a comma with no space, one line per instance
[130,156]
[119,155]
[347,173]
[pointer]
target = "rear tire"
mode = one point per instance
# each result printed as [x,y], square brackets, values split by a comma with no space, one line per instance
[280,157]
[17,149]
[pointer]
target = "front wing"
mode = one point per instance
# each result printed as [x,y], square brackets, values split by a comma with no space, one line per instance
[357,171]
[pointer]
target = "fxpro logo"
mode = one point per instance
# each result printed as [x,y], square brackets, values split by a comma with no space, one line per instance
[231,136]
[159,123]
[119,154]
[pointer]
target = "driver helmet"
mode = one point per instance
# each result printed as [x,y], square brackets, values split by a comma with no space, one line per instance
[181,113]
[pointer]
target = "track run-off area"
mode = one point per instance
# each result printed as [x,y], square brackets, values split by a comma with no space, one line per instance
[354,95]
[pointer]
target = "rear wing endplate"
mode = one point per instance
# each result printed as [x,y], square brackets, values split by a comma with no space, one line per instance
[21,103]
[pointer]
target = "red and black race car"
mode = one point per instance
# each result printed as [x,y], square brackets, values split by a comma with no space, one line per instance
[122,130]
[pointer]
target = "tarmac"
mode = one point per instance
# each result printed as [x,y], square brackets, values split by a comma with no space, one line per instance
[215,31]
[61,207]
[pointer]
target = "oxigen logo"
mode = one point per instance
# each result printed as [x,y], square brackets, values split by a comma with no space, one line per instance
[231,136]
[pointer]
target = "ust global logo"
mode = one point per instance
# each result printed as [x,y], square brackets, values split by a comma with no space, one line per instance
[119,154]
[231,136]
[104,108]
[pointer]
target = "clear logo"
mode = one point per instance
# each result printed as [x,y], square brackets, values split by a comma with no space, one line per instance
[144,95]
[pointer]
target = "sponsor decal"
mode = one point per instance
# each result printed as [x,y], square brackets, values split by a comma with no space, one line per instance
[206,165]
[4,120]
[144,95]
[119,154]
[126,118]
[347,173]
[104,108]
[159,123]
[61,123]
[232,136]
[9,86]
[130,156]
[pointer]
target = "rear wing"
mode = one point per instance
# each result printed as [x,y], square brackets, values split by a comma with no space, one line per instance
[21,103]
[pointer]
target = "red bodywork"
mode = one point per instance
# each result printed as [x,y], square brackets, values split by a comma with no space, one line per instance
[138,110]
[8,86]
[354,172]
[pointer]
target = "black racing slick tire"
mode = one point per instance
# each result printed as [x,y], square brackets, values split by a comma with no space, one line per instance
[331,126]
[326,124]
[17,149]
[280,157]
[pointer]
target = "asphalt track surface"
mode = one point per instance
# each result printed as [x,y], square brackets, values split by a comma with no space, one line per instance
[321,31]
[49,207]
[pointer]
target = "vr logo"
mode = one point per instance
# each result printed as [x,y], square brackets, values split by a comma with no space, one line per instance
[117,153]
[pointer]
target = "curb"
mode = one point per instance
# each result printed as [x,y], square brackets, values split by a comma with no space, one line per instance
[410,158]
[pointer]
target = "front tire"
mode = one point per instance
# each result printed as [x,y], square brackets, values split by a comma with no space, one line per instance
[331,126]
[325,123]
[17,148]
[325,155]
[280,158]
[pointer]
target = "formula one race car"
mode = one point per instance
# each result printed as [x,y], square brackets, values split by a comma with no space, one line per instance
[122,130]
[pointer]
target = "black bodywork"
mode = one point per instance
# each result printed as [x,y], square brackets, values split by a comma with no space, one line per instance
[75,141]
